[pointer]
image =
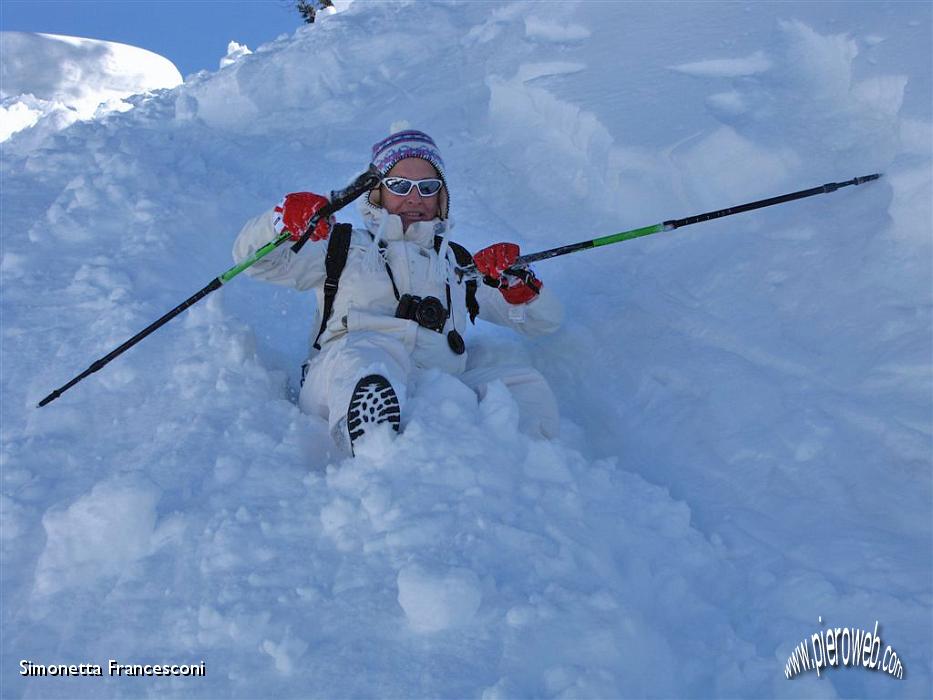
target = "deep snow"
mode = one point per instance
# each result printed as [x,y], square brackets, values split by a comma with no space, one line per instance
[746,403]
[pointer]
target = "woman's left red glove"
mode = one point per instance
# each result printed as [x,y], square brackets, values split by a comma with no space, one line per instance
[294,214]
[492,261]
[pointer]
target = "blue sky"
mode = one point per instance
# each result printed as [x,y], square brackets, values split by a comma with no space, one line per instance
[193,34]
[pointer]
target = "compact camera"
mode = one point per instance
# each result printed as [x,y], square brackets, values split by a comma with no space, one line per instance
[427,312]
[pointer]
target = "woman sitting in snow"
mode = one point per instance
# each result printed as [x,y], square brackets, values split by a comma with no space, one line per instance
[399,304]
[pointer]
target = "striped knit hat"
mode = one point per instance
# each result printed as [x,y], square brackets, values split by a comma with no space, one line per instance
[409,144]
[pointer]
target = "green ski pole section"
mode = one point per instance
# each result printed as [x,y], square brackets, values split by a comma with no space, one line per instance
[628,235]
[258,255]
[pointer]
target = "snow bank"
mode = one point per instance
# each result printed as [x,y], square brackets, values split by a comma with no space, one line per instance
[57,80]
[746,413]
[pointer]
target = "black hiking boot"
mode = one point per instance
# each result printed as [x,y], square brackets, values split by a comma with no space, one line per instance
[373,402]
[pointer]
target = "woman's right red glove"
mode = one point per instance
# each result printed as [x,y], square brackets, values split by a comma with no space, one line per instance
[296,210]
[492,262]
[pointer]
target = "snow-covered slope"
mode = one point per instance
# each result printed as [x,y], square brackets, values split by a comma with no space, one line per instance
[48,81]
[746,403]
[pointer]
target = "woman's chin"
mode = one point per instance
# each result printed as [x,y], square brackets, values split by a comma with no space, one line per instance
[409,220]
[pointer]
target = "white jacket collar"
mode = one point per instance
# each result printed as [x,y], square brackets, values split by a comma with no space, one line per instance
[388,227]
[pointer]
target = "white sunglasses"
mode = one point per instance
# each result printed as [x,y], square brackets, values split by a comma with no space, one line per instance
[402,186]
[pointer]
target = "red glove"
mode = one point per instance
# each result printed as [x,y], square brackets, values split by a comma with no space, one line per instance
[493,260]
[296,210]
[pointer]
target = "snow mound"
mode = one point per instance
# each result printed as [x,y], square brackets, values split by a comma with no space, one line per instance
[100,534]
[438,600]
[60,79]
[235,52]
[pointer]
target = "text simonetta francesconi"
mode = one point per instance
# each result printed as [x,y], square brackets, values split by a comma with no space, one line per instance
[113,668]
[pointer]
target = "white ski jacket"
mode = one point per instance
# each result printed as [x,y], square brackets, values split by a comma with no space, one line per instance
[365,299]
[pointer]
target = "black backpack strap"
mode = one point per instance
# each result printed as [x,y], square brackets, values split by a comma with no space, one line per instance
[338,247]
[464,259]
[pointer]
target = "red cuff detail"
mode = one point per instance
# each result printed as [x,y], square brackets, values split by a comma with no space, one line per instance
[520,293]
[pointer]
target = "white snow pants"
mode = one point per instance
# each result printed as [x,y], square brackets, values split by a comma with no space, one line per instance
[333,373]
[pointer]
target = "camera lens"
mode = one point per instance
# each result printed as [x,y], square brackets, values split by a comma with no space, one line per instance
[431,314]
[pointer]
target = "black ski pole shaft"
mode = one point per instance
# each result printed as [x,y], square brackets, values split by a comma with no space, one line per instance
[338,200]
[99,364]
[679,223]
[780,199]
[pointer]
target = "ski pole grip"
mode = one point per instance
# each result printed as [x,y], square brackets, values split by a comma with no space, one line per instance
[324,212]
[338,200]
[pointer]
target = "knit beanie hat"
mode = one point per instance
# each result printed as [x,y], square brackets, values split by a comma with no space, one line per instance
[409,144]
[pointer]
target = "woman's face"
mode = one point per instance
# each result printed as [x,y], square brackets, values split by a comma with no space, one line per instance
[412,206]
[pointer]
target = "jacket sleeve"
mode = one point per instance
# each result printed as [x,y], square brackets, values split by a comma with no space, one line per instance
[301,271]
[541,315]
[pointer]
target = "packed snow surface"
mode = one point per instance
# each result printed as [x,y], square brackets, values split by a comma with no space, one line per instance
[745,455]
[49,81]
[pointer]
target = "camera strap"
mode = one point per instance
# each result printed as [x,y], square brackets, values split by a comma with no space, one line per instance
[398,297]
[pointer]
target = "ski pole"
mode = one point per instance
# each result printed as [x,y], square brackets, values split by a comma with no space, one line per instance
[338,200]
[524,260]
